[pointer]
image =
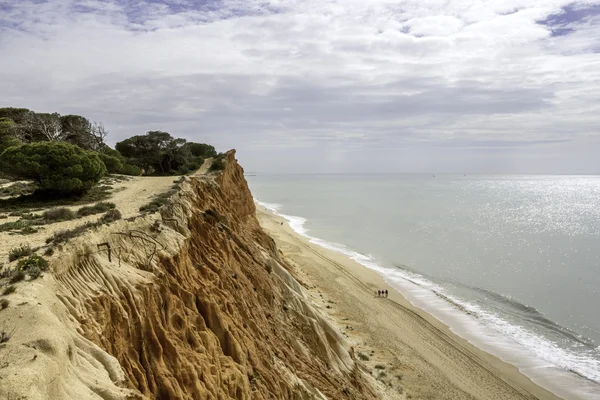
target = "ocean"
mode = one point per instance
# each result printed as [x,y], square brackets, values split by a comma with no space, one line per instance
[509,262]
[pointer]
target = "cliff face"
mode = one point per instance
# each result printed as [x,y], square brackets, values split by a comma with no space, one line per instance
[195,303]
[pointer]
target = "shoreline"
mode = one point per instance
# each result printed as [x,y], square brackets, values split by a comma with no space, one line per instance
[432,360]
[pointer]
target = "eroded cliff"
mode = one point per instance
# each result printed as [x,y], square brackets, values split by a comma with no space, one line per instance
[193,302]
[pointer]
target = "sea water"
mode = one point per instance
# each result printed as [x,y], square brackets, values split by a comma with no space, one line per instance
[511,263]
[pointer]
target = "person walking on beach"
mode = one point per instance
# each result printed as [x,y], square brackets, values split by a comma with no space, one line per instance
[385,292]
[379,293]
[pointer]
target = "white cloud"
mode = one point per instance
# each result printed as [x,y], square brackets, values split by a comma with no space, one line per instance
[295,75]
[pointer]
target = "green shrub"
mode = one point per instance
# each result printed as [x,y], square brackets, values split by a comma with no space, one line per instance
[154,205]
[33,261]
[58,168]
[18,276]
[5,335]
[217,165]
[131,170]
[4,303]
[19,252]
[13,226]
[97,208]
[113,164]
[28,230]
[380,366]
[34,273]
[8,290]
[110,216]
[58,215]
[17,189]
[66,235]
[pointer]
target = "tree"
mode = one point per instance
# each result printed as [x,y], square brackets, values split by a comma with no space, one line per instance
[17,115]
[201,150]
[113,164]
[77,130]
[99,134]
[155,152]
[8,134]
[45,126]
[57,168]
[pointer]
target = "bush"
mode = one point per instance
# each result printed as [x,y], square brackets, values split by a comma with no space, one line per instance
[4,304]
[58,215]
[113,164]
[110,216]
[363,356]
[18,276]
[154,205]
[19,252]
[132,170]
[8,290]
[13,226]
[217,165]
[31,262]
[65,235]
[34,273]
[58,168]
[97,208]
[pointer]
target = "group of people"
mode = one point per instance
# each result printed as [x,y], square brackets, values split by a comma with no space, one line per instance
[382,293]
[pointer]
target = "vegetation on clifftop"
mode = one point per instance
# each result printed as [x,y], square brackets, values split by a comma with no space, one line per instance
[66,155]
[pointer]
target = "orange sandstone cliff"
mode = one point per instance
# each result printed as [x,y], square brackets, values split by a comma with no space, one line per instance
[194,302]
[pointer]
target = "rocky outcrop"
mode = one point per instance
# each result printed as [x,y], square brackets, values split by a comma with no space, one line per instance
[194,303]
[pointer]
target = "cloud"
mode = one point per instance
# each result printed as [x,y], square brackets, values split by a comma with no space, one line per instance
[287,81]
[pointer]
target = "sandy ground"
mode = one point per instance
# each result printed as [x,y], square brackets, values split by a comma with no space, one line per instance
[411,353]
[128,197]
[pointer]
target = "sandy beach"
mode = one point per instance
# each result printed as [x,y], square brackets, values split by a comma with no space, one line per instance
[409,352]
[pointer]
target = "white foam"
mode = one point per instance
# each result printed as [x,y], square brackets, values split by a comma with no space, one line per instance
[543,361]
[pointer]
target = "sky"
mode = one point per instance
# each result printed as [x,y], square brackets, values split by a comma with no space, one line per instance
[323,86]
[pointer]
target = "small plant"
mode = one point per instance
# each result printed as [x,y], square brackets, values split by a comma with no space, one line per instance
[97,208]
[4,303]
[28,230]
[34,273]
[66,235]
[33,261]
[363,356]
[177,183]
[19,252]
[58,215]
[380,366]
[110,216]
[5,272]
[8,290]
[14,226]
[269,265]
[217,165]
[154,205]
[18,276]
[5,335]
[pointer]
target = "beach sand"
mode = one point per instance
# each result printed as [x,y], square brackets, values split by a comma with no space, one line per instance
[408,351]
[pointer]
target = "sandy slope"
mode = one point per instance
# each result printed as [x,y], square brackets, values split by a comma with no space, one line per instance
[128,196]
[433,362]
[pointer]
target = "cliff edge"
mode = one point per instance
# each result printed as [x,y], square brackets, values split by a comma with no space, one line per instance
[192,302]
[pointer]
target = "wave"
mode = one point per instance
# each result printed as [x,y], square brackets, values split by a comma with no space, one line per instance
[576,354]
